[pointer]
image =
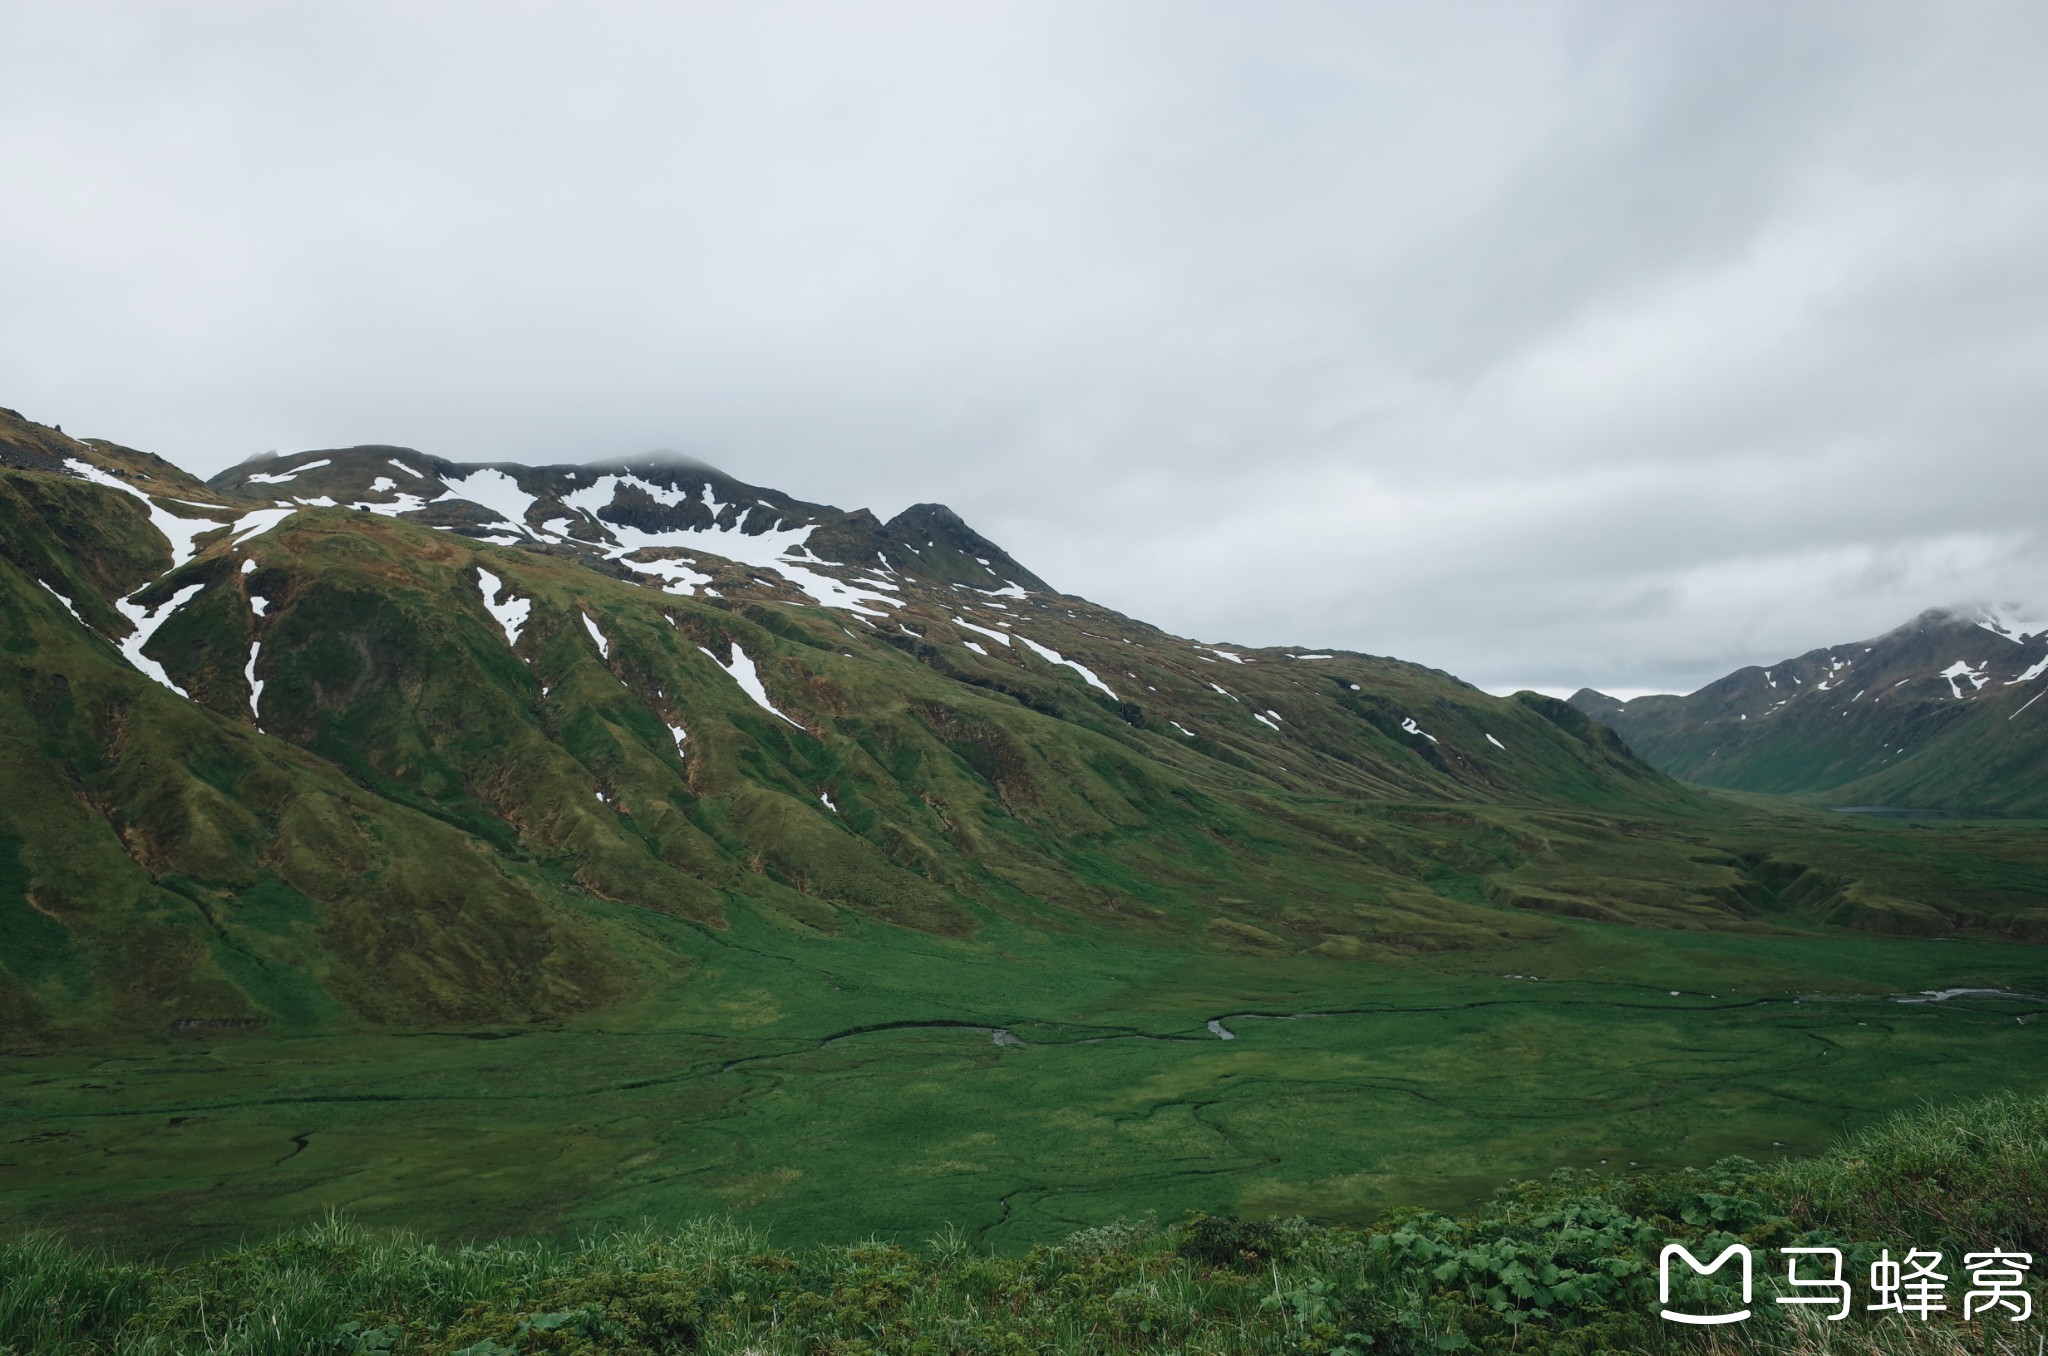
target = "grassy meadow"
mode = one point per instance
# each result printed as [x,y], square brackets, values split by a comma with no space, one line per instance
[1563,1265]
[828,1088]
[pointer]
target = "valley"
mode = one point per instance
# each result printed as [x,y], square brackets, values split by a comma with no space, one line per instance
[515,851]
[831,1089]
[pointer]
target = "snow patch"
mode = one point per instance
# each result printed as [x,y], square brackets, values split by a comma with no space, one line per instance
[511,614]
[182,533]
[255,524]
[1182,728]
[604,645]
[1963,669]
[494,490]
[1408,724]
[66,601]
[2031,674]
[255,683]
[1051,655]
[146,621]
[770,550]
[1496,743]
[1003,636]
[2011,625]
[742,671]
[279,478]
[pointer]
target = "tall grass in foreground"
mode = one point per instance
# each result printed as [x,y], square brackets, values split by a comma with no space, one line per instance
[1567,1265]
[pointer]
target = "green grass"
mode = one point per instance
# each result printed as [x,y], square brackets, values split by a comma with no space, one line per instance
[460,941]
[826,1087]
[1563,1265]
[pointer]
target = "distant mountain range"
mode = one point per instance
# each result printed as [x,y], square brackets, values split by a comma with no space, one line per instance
[1943,713]
[366,735]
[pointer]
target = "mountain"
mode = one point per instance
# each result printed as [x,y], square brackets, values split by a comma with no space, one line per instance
[1938,714]
[494,849]
[365,736]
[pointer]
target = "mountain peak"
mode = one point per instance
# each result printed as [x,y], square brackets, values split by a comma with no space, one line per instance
[946,548]
[662,517]
[1941,712]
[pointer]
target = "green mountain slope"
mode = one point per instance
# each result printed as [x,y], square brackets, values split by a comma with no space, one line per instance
[519,849]
[366,736]
[1937,714]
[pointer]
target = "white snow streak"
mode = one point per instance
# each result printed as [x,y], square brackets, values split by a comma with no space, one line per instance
[1051,655]
[146,622]
[511,614]
[742,670]
[182,533]
[1496,743]
[255,683]
[2030,675]
[256,524]
[266,478]
[1962,669]
[494,490]
[67,604]
[1003,636]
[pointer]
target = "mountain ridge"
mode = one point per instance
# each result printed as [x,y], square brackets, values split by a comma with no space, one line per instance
[1928,715]
[374,738]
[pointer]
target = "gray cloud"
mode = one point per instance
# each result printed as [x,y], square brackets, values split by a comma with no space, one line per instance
[1554,343]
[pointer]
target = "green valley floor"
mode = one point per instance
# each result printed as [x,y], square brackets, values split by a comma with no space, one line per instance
[887,1082]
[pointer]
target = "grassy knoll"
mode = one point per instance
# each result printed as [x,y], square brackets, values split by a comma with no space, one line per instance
[1567,1264]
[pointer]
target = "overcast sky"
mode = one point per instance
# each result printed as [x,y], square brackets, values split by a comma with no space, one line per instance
[1550,344]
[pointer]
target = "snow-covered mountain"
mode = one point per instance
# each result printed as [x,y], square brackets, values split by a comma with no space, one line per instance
[1943,712]
[661,519]
[367,731]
